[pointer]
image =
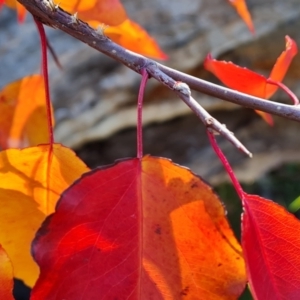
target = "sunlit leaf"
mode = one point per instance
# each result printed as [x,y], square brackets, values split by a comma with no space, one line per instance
[242,10]
[281,66]
[271,243]
[109,12]
[23,119]
[133,37]
[236,77]
[249,82]
[31,181]
[6,276]
[144,229]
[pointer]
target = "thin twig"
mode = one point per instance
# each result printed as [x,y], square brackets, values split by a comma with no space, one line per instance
[184,92]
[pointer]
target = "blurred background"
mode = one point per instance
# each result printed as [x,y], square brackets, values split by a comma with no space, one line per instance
[95,97]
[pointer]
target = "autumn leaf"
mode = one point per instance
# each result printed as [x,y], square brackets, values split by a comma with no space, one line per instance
[242,10]
[110,12]
[23,111]
[6,276]
[249,82]
[133,37]
[281,66]
[31,181]
[122,30]
[271,243]
[140,229]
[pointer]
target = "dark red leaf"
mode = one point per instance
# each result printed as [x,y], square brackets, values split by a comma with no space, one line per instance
[271,245]
[141,229]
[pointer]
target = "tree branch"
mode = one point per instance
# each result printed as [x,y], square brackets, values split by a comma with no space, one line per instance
[50,14]
[55,17]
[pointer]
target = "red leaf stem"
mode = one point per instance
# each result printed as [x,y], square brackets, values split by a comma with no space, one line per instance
[285,89]
[145,77]
[43,38]
[226,164]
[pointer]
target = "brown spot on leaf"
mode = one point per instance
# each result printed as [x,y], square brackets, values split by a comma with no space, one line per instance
[185,291]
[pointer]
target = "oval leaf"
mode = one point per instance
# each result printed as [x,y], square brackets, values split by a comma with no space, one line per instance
[110,12]
[141,229]
[271,243]
[236,77]
[133,37]
[31,181]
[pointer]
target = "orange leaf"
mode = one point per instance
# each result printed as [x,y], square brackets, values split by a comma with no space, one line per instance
[281,66]
[140,229]
[23,111]
[30,184]
[110,12]
[242,10]
[249,82]
[271,243]
[236,77]
[133,37]
[6,276]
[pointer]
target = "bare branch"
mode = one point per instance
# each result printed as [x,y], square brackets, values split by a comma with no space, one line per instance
[55,17]
[184,92]
[291,112]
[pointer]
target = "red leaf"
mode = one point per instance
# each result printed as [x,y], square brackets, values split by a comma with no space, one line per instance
[249,82]
[281,66]
[270,241]
[271,244]
[242,10]
[141,229]
[236,77]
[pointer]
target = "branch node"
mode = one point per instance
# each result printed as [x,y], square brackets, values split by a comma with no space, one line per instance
[50,5]
[74,19]
[209,121]
[182,88]
[100,30]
